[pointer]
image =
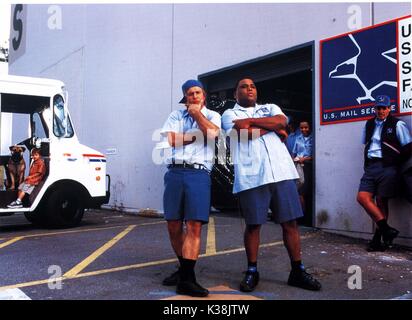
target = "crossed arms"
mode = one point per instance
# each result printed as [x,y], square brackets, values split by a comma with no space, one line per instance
[257,127]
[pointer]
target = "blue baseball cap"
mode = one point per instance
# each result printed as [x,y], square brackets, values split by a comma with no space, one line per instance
[382,101]
[187,85]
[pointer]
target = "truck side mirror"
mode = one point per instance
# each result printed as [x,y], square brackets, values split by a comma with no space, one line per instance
[59,117]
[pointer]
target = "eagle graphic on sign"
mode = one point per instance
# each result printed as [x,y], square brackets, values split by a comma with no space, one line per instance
[353,61]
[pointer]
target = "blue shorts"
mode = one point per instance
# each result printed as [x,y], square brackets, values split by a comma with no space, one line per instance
[187,194]
[281,197]
[379,180]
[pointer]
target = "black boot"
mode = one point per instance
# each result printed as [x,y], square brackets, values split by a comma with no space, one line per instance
[376,244]
[187,284]
[388,233]
[191,288]
[304,280]
[388,236]
[249,282]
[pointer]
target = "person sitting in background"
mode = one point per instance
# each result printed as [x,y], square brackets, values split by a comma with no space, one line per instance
[36,175]
[302,154]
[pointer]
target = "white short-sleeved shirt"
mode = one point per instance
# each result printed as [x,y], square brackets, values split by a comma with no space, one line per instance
[375,148]
[259,161]
[180,121]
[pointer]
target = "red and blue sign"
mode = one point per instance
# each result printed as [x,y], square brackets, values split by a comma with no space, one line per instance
[358,66]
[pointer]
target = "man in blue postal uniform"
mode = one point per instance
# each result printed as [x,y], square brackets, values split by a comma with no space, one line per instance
[388,144]
[264,178]
[191,133]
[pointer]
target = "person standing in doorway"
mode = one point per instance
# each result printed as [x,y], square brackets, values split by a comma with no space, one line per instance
[302,155]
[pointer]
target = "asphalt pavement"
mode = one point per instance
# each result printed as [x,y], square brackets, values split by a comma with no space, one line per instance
[116,256]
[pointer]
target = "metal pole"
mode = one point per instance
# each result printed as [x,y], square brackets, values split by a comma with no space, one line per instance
[372,13]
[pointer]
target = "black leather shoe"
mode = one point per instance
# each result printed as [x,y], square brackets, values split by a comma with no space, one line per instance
[374,246]
[389,235]
[304,280]
[249,282]
[171,280]
[191,288]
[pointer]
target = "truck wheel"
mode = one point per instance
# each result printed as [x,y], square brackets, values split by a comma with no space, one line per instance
[64,208]
[36,218]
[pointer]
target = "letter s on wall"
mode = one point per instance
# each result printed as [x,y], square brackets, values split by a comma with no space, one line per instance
[17,26]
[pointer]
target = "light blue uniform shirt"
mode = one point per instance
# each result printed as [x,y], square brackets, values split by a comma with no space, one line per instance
[303,146]
[262,160]
[375,148]
[180,121]
[291,140]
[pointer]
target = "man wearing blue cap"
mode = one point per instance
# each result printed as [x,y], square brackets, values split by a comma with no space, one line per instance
[191,133]
[387,144]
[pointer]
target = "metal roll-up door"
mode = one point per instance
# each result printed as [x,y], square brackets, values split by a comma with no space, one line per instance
[275,65]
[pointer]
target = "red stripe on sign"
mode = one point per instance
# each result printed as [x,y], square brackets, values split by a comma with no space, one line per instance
[370,104]
[93,155]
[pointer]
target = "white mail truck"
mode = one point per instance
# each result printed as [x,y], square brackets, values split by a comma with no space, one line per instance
[75,176]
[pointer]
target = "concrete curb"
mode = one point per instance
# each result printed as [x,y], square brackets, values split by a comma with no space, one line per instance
[147,212]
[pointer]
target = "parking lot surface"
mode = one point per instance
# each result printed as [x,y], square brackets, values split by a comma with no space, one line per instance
[115,256]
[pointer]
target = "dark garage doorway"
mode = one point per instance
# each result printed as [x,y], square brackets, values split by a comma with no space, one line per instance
[285,78]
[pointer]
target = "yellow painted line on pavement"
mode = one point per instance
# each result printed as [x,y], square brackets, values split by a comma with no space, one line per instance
[211,237]
[69,232]
[160,262]
[83,230]
[7,243]
[239,249]
[135,266]
[265,245]
[82,265]
[29,284]
[88,274]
